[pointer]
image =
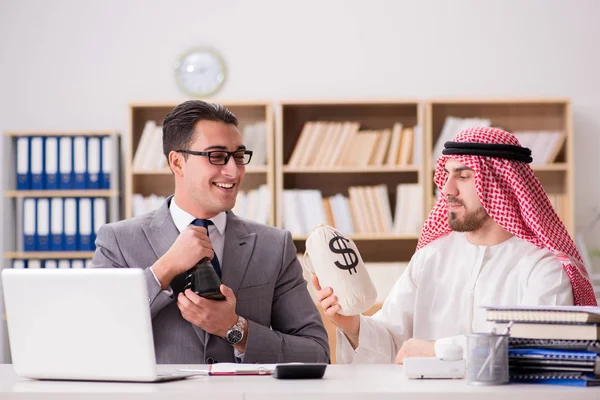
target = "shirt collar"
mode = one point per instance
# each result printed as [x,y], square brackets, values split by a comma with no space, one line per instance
[183,219]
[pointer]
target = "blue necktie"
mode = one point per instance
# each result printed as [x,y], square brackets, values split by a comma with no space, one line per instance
[215,261]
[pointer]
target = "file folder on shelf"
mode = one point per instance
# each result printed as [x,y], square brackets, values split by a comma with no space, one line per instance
[70,224]
[66,162]
[56,224]
[93,163]
[37,163]
[79,162]
[51,163]
[43,225]
[29,224]
[23,164]
[85,224]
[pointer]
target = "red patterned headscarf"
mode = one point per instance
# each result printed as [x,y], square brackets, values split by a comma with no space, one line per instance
[514,198]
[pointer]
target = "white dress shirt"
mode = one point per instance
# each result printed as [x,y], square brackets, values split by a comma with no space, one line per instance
[441,291]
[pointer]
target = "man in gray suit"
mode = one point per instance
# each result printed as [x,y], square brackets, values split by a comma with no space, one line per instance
[267,315]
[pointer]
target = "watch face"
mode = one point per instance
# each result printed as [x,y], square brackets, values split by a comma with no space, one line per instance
[235,335]
[200,72]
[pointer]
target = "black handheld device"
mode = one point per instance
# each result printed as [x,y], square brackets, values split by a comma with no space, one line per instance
[299,371]
[204,281]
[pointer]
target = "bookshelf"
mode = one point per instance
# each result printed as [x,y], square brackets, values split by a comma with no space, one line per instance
[14,199]
[160,181]
[516,115]
[331,178]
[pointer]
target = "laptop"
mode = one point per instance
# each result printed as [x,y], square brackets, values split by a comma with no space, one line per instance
[81,324]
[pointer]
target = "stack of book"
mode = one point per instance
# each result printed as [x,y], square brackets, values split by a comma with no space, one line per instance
[551,344]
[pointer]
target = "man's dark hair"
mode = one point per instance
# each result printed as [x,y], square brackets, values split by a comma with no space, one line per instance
[178,127]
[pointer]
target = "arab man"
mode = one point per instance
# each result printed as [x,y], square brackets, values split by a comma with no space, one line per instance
[492,239]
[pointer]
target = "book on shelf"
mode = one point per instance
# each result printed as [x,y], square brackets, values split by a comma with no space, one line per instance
[452,126]
[544,145]
[366,210]
[327,144]
[566,314]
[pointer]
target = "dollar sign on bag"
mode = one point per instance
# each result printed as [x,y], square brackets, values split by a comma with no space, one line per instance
[337,244]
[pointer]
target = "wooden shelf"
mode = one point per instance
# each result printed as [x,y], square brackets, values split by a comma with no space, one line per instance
[262,169]
[61,193]
[62,133]
[517,114]
[347,169]
[48,255]
[161,182]
[550,167]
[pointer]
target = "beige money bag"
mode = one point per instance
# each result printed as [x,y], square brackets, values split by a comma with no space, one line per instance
[335,260]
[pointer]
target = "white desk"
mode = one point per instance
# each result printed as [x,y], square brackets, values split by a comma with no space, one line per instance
[341,382]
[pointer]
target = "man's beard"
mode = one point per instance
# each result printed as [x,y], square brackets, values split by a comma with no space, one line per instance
[472,221]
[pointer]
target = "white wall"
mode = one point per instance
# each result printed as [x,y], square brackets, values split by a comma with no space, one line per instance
[72,64]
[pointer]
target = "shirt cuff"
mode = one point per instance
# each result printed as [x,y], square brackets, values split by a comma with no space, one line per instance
[238,354]
[169,291]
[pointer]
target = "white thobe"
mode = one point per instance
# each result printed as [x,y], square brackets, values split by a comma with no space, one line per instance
[440,293]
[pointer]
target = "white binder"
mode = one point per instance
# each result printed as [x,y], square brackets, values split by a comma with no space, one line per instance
[79,162]
[43,225]
[37,163]
[70,227]
[29,223]
[66,163]
[23,173]
[85,224]
[56,224]
[93,163]
[52,176]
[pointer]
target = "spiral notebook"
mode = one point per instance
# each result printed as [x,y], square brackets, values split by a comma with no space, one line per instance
[553,378]
[544,314]
[554,344]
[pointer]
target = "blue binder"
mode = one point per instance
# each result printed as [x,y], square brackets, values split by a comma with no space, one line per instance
[70,224]
[84,224]
[29,224]
[56,224]
[23,163]
[65,162]
[51,163]
[80,163]
[94,145]
[37,163]
[43,225]
[106,164]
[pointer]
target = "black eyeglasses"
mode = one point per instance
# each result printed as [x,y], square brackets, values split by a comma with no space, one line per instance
[221,157]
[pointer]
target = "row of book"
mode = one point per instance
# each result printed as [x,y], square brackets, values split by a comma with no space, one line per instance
[366,210]
[62,224]
[149,152]
[254,204]
[544,145]
[328,144]
[51,264]
[551,344]
[64,162]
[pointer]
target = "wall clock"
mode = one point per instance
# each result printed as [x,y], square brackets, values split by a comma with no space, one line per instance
[200,72]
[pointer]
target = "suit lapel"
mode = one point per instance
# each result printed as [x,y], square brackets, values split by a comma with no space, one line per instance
[237,250]
[162,232]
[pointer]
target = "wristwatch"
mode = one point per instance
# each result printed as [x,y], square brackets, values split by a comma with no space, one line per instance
[236,333]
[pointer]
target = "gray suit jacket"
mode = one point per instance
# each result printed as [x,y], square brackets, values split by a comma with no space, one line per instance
[260,266]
